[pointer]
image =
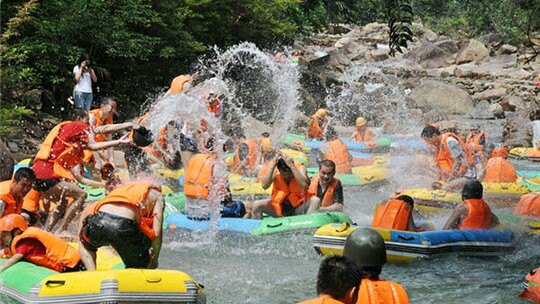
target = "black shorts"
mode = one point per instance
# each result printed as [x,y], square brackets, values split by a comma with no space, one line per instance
[33,217]
[233,209]
[123,234]
[43,185]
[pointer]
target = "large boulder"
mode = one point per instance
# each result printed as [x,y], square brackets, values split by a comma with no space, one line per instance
[490,94]
[507,49]
[482,111]
[6,169]
[436,95]
[473,51]
[517,131]
[428,55]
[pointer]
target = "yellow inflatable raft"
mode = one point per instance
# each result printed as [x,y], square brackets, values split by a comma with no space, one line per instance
[532,154]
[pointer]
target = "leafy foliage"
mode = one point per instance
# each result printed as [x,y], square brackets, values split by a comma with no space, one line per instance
[11,118]
[400,17]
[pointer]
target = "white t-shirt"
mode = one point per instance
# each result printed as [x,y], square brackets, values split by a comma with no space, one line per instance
[84,85]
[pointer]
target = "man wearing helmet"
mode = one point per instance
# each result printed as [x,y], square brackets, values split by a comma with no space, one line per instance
[36,246]
[366,248]
[317,124]
[362,132]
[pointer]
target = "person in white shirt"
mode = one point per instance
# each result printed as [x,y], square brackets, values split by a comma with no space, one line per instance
[84,76]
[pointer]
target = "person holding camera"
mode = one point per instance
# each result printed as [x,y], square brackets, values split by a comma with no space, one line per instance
[84,76]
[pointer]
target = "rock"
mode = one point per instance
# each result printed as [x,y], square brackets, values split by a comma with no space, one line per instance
[379,54]
[433,117]
[337,60]
[505,61]
[32,99]
[428,54]
[497,110]
[491,39]
[507,49]
[6,169]
[490,94]
[317,58]
[13,147]
[482,110]
[473,51]
[343,41]
[517,131]
[447,45]
[512,104]
[424,33]
[437,95]
[338,29]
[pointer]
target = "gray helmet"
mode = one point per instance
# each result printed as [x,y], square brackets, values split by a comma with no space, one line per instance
[365,247]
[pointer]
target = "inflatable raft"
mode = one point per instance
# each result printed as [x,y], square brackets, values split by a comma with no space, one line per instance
[27,283]
[360,175]
[299,141]
[532,154]
[402,246]
[522,223]
[268,225]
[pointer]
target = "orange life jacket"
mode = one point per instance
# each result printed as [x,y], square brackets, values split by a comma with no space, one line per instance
[315,129]
[133,194]
[31,201]
[251,157]
[499,170]
[215,106]
[324,299]
[177,84]
[392,215]
[444,159]
[328,198]
[474,142]
[291,191]
[59,255]
[198,180]
[533,286]
[478,215]
[528,205]
[381,292]
[10,204]
[71,156]
[367,136]
[99,123]
[339,153]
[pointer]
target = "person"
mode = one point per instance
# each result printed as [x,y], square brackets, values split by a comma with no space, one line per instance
[36,246]
[181,84]
[233,208]
[362,132]
[531,286]
[325,191]
[31,208]
[337,282]
[528,205]
[335,150]
[473,212]
[12,192]
[213,104]
[57,166]
[365,247]
[103,116]
[264,143]
[204,183]
[395,214]
[266,165]
[317,124]
[289,191]
[84,76]
[130,219]
[475,141]
[454,161]
[246,157]
[498,169]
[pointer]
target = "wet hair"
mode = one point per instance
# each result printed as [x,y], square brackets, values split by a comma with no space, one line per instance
[337,275]
[407,199]
[107,99]
[371,272]
[282,165]
[265,134]
[78,113]
[24,173]
[330,133]
[473,189]
[430,132]
[83,57]
[327,163]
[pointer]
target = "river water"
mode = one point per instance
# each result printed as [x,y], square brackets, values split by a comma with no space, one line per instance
[237,268]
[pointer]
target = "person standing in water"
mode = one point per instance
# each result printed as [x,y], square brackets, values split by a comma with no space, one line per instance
[84,76]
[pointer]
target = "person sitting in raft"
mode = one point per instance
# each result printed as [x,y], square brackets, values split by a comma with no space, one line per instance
[204,183]
[36,246]
[233,208]
[475,141]
[264,143]
[337,282]
[289,191]
[130,219]
[267,164]
[362,132]
[366,248]
[335,150]
[396,214]
[58,166]
[498,169]
[473,212]
[213,104]
[325,191]
[246,157]
[317,125]
[528,205]
[454,161]
[13,192]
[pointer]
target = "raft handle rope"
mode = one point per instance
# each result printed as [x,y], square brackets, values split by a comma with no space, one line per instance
[55,282]
[274,226]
